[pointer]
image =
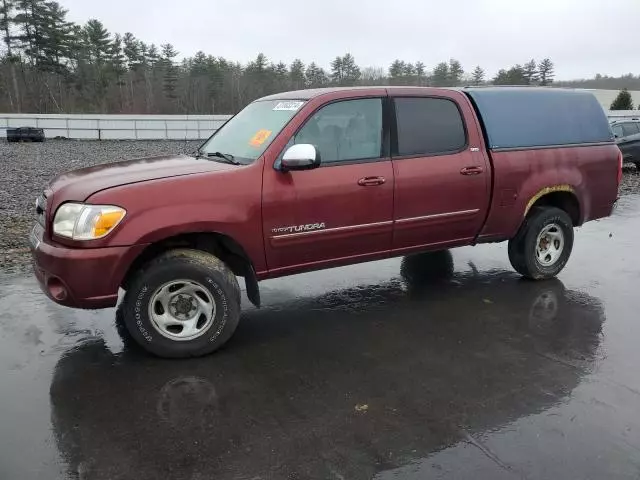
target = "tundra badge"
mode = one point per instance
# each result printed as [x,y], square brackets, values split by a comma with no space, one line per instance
[299,228]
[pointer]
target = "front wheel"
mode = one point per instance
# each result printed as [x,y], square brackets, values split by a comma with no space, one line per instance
[542,246]
[185,303]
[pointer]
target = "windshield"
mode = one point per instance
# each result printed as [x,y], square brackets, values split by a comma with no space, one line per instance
[247,135]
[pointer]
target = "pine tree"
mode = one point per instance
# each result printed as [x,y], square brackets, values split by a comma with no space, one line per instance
[258,78]
[259,65]
[420,73]
[478,76]
[514,76]
[337,70]
[117,66]
[152,55]
[116,55]
[623,101]
[281,69]
[396,72]
[31,20]
[116,58]
[131,50]
[98,73]
[7,19]
[351,70]
[396,69]
[43,37]
[409,70]
[344,70]
[144,53]
[296,74]
[545,70]
[530,71]
[440,76]
[58,38]
[170,78]
[282,81]
[455,72]
[315,76]
[98,40]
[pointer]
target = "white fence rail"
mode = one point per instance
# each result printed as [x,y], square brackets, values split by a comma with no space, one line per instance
[622,114]
[118,127]
[144,127]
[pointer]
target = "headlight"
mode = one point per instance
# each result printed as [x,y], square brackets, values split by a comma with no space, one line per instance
[86,222]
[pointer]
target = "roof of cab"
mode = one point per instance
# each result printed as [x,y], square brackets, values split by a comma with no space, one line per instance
[308,94]
[312,93]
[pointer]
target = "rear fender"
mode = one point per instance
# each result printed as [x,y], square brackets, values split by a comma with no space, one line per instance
[545,191]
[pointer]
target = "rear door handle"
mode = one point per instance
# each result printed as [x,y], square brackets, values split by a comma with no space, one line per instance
[371,181]
[471,171]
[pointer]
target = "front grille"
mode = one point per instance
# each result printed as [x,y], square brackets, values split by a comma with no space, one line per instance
[41,209]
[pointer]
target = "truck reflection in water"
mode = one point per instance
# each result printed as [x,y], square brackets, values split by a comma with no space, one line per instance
[353,382]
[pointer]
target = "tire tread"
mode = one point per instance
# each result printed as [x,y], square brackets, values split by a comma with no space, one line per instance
[518,244]
[194,257]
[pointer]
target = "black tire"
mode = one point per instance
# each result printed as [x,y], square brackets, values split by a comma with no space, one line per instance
[196,266]
[522,248]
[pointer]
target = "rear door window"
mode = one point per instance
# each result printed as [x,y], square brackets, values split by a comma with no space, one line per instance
[428,126]
[630,129]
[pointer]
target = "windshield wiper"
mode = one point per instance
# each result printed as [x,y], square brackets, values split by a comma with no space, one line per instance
[226,157]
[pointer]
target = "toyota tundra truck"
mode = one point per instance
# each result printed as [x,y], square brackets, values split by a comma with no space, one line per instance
[315,179]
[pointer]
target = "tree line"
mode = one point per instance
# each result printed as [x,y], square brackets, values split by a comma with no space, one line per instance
[52,65]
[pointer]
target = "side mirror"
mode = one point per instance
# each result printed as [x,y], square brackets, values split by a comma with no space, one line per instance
[302,156]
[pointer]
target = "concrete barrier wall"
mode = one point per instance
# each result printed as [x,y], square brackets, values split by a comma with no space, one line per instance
[622,114]
[144,127]
[118,127]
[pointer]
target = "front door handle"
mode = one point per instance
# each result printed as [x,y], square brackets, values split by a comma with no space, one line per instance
[471,171]
[371,181]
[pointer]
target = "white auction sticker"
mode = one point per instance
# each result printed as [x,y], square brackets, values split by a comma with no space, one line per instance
[288,106]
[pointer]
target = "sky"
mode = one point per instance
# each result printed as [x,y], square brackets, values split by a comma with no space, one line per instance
[582,37]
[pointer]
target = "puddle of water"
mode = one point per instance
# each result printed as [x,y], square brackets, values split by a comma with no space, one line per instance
[459,363]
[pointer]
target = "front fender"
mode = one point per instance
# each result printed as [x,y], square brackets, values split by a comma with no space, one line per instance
[228,203]
[158,224]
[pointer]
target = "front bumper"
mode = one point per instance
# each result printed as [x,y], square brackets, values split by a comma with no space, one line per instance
[80,277]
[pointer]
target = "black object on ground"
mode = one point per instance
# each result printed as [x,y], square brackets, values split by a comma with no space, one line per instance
[25,134]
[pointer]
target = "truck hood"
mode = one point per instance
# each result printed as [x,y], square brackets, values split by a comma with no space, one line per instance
[79,184]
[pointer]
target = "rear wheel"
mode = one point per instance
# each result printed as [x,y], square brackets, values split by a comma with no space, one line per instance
[185,303]
[543,244]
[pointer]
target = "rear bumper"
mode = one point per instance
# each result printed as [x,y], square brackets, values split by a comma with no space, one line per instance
[82,278]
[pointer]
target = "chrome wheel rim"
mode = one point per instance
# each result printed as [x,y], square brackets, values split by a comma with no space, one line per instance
[182,310]
[545,307]
[549,245]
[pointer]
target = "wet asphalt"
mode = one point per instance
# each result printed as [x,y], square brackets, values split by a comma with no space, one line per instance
[442,365]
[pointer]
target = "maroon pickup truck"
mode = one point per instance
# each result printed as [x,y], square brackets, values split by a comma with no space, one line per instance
[314,179]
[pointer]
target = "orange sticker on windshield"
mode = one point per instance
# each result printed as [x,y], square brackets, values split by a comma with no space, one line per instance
[259,138]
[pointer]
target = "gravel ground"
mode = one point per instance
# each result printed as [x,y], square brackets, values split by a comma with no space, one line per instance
[26,167]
